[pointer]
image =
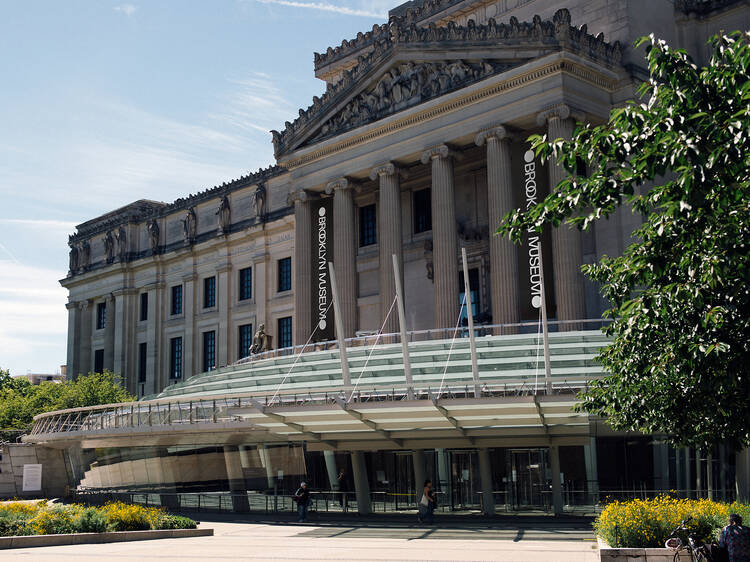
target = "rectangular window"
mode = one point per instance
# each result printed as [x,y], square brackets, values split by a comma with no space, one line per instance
[101,316]
[98,360]
[209,351]
[142,349]
[246,340]
[422,210]
[285,332]
[175,358]
[144,306]
[209,292]
[246,283]
[367,226]
[285,274]
[474,284]
[177,299]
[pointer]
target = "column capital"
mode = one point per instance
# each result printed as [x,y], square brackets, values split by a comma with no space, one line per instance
[439,151]
[385,169]
[84,304]
[497,132]
[72,305]
[123,291]
[558,111]
[297,197]
[340,184]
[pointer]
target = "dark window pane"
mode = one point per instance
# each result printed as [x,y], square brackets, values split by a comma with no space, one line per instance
[285,331]
[246,340]
[209,292]
[422,211]
[142,350]
[209,351]
[101,316]
[367,226]
[285,274]
[246,283]
[177,299]
[144,306]
[98,361]
[175,358]
[474,284]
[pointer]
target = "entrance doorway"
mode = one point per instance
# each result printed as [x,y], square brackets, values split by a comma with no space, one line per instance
[465,485]
[528,481]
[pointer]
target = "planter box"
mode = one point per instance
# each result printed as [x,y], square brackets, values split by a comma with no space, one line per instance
[607,554]
[98,538]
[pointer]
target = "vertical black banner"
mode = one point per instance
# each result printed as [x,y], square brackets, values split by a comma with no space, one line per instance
[322,301]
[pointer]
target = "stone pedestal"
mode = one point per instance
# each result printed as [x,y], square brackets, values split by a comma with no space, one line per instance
[345,252]
[567,255]
[503,253]
[445,256]
[390,239]
[302,272]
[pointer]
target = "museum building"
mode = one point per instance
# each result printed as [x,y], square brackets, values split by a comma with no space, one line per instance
[419,351]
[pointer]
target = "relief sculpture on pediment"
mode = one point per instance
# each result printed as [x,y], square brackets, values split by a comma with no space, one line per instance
[404,86]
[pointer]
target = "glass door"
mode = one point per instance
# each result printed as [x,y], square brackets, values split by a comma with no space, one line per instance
[528,484]
[465,480]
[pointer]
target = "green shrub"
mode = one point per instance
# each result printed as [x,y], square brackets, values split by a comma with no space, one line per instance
[648,523]
[175,522]
[90,520]
[13,525]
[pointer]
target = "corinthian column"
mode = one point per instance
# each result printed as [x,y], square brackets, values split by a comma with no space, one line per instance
[302,267]
[567,255]
[445,257]
[390,240]
[503,254]
[344,252]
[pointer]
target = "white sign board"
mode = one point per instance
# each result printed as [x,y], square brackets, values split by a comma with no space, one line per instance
[32,477]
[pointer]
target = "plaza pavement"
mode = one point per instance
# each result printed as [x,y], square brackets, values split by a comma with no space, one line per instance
[508,539]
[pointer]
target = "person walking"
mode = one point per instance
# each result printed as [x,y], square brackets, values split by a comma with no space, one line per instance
[427,504]
[302,497]
[341,479]
[736,539]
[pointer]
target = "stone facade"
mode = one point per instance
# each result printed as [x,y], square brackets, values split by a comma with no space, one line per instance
[442,97]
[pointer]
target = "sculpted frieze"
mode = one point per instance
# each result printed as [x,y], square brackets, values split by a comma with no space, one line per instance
[404,86]
[410,86]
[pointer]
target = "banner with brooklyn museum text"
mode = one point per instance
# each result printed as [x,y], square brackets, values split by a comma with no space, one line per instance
[322,239]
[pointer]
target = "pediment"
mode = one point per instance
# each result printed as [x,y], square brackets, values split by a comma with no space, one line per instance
[417,64]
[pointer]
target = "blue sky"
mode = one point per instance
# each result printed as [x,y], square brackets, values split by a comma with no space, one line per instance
[106,102]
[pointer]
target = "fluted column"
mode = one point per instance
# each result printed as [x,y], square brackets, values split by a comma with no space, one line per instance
[567,255]
[84,365]
[445,257]
[302,267]
[344,252]
[390,240]
[503,253]
[74,339]
[109,333]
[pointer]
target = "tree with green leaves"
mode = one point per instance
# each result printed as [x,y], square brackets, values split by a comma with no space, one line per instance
[679,361]
[20,400]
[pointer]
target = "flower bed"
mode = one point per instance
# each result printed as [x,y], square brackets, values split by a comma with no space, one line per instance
[23,518]
[648,523]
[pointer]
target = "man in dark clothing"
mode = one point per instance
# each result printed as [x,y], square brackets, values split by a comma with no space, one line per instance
[302,497]
[736,539]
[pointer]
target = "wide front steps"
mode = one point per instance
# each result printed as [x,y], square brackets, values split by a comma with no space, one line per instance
[512,360]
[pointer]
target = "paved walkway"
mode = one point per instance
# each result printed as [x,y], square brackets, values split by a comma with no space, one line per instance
[510,540]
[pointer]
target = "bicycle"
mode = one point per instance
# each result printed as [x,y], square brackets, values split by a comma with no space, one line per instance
[697,551]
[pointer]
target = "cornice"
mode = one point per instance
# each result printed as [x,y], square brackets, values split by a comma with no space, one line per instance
[556,34]
[372,133]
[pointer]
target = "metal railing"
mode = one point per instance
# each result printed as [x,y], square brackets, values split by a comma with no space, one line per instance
[436,334]
[223,409]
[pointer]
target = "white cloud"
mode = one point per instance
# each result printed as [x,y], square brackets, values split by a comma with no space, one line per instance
[41,223]
[126,9]
[326,7]
[34,318]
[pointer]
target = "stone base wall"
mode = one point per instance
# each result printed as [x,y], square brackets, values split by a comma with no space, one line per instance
[12,458]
